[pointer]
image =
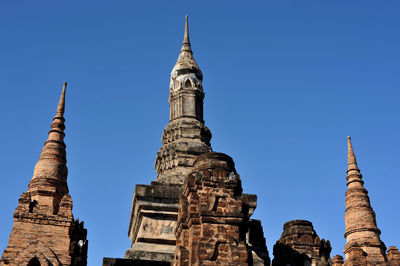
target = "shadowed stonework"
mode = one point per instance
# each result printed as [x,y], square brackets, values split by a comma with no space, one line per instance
[300,245]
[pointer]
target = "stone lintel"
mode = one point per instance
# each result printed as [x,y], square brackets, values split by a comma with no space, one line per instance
[250,200]
[131,262]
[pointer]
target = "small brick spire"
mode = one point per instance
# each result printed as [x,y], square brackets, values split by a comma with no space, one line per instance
[44,230]
[49,182]
[362,232]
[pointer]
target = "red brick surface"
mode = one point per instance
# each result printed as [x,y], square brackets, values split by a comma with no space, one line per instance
[211,218]
[44,229]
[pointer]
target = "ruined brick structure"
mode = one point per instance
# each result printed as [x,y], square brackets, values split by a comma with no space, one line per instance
[393,256]
[44,230]
[154,209]
[300,245]
[194,213]
[364,246]
[213,217]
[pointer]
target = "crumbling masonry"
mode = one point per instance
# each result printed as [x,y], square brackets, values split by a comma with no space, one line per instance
[44,230]
[194,213]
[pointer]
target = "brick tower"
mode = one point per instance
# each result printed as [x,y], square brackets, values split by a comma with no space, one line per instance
[362,234]
[44,230]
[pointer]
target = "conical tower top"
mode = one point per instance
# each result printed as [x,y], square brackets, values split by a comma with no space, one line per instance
[50,174]
[185,137]
[186,40]
[351,158]
[186,67]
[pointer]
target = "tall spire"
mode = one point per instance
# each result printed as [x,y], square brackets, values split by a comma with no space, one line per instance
[362,233]
[50,175]
[185,137]
[186,40]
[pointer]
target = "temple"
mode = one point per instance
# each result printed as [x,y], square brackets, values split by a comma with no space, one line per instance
[44,230]
[194,212]
[154,212]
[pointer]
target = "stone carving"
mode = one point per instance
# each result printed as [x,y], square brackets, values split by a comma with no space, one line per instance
[186,136]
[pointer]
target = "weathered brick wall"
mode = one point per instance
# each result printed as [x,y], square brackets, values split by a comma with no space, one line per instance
[49,237]
[211,225]
[337,260]
[393,256]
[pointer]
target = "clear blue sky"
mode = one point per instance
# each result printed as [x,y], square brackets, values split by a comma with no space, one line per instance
[285,83]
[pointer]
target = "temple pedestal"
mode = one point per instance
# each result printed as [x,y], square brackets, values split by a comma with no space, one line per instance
[153,222]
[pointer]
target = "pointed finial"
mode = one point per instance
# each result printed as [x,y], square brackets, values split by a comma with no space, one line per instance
[186,36]
[61,103]
[352,163]
[186,41]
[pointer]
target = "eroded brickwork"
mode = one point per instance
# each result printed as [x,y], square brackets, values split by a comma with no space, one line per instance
[393,256]
[212,218]
[44,229]
[362,234]
[337,260]
[300,245]
[154,207]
